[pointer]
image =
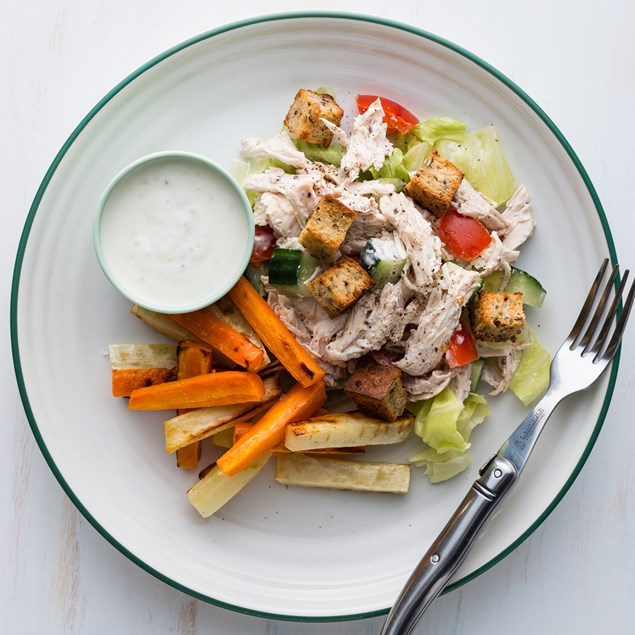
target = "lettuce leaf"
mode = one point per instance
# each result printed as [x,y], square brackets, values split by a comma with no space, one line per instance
[436,423]
[475,409]
[479,156]
[333,154]
[398,183]
[532,376]
[438,129]
[446,424]
[241,170]
[420,140]
[441,467]
[393,168]
[430,131]
[405,141]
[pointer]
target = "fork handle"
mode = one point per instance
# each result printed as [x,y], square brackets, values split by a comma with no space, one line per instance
[451,547]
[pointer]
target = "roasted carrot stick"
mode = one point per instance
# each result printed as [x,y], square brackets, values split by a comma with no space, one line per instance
[129,379]
[275,334]
[222,337]
[298,403]
[241,428]
[193,359]
[213,389]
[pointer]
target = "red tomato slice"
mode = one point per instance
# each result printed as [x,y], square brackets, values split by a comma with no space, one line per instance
[264,242]
[395,115]
[463,236]
[462,349]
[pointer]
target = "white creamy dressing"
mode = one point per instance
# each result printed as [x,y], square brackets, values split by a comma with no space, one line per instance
[173,233]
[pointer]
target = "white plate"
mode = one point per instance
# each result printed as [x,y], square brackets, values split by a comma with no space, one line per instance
[277,551]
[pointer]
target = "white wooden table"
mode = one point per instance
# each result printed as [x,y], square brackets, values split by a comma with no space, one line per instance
[575,574]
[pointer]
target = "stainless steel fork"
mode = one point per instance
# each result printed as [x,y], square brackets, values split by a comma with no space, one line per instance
[581,359]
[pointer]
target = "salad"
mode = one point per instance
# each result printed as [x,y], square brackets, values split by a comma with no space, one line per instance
[380,295]
[431,213]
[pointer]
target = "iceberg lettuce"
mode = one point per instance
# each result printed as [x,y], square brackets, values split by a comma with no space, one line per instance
[445,424]
[419,141]
[333,154]
[265,164]
[393,169]
[241,170]
[397,183]
[441,467]
[440,129]
[436,422]
[475,409]
[479,156]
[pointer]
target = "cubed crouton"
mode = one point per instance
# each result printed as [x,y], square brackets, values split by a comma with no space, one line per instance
[326,228]
[305,114]
[435,184]
[377,390]
[340,286]
[497,317]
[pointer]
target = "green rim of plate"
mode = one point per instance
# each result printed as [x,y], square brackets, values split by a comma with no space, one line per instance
[159,58]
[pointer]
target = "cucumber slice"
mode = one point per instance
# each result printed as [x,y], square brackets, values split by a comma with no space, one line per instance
[289,269]
[480,285]
[531,378]
[383,259]
[475,374]
[387,271]
[533,292]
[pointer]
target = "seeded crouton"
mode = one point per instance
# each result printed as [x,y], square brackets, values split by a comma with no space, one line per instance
[497,317]
[305,113]
[326,228]
[377,390]
[435,184]
[340,286]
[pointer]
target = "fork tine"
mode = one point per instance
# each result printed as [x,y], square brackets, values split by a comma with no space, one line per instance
[588,303]
[621,325]
[590,332]
[601,339]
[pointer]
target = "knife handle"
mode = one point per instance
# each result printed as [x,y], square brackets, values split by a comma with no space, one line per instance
[451,546]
